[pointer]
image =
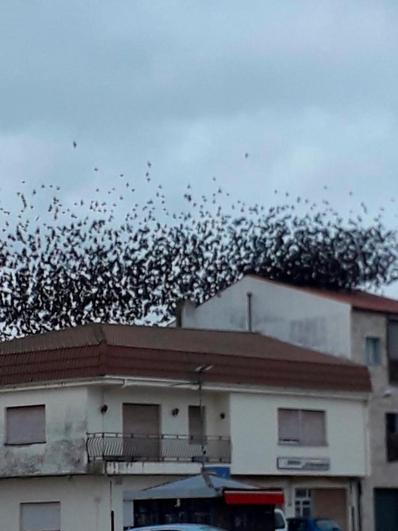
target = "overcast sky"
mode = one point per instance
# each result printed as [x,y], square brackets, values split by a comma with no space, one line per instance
[309,89]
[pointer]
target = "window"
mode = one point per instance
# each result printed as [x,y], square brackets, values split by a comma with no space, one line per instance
[297,524]
[302,502]
[302,427]
[195,424]
[392,348]
[40,516]
[25,425]
[141,427]
[392,436]
[326,525]
[393,340]
[372,351]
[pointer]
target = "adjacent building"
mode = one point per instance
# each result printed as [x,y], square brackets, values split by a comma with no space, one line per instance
[92,415]
[354,325]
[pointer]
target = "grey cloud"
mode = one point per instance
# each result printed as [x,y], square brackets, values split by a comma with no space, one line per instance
[123,63]
[308,88]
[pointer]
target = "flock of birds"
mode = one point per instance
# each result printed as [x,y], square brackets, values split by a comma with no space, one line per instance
[111,258]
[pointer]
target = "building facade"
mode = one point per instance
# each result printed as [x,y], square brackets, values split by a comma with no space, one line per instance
[92,415]
[359,326]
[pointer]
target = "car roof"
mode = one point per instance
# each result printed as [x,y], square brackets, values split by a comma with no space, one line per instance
[306,518]
[179,527]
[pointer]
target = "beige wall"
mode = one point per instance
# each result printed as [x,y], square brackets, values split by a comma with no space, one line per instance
[250,420]
[169,398]
[72,412]
[84,501]
[66,427]
[383,400]
[280,311]
[254,432]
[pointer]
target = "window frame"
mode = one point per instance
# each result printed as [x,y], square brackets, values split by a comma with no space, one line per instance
[392,361]
[7,442]
[301,442]
[391,451]
[368,361]
[40,504]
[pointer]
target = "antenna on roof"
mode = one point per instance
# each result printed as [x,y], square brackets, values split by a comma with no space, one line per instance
[200,370]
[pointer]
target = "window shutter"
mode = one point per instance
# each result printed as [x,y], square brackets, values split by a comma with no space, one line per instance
[313,428]
[289,426]
[26,425]
[41,516]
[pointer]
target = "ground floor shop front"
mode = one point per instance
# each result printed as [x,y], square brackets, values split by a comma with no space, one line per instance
[319,497]
[92,502]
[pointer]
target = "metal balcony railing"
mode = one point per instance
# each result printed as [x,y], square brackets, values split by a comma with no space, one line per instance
[157,448]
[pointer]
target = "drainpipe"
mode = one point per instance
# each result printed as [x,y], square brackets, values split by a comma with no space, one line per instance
[112,512]
[359,504]
[249,312]
[200,370]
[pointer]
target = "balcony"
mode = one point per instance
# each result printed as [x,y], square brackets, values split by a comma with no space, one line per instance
[111,447]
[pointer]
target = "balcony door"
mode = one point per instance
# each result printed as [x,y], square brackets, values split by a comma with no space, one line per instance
[141,431]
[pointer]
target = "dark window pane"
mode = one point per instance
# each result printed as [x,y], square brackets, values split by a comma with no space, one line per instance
[392,436]
[195,420]
[393,340]
[372,351]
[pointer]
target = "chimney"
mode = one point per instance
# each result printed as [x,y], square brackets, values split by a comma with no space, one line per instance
[184,312]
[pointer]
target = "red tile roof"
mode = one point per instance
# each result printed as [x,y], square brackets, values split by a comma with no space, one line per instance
[173,353]
[360,300]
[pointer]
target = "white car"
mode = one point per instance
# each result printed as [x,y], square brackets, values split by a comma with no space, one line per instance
[280,525]
[280,520]
[177,527]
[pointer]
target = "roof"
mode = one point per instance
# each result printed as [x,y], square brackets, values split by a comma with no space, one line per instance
[360,300]
[99,350]
[203,485]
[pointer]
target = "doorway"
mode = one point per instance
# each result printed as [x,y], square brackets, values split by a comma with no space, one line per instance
[141,431]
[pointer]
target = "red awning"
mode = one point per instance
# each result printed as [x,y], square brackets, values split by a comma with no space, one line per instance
[254,497]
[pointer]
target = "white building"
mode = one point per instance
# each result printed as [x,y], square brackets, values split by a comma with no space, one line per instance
[91,415]
[359,326]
